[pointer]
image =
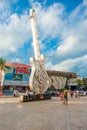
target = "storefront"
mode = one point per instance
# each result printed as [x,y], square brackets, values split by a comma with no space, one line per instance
[17,76]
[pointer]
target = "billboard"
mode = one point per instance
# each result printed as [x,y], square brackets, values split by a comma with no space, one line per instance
[18,74]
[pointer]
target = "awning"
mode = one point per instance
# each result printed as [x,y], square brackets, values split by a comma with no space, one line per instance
[15,83]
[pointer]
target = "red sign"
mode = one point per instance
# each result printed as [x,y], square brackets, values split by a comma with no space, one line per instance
[23,70]
[0,77]
[0,93]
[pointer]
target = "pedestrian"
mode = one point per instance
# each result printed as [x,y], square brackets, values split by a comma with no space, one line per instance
[75,93]
[15,93]
[78,94]
[71,93]
[65,97]
[62,96]
[28,93]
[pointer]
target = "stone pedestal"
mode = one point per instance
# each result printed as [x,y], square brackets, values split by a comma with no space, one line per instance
[38,97]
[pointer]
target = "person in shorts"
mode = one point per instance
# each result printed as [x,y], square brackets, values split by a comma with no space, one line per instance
[65,97]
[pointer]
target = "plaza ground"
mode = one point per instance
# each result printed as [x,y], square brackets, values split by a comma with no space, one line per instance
[43,115]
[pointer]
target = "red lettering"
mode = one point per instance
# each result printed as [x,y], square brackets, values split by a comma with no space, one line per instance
[17,70]
[23,70]
[26,71]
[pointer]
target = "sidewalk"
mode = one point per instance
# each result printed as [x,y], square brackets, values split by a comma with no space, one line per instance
[43,115]
[9,99]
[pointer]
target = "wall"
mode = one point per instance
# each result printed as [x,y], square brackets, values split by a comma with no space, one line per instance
[58,82]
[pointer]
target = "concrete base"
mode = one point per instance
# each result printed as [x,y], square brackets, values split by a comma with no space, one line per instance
[24,98]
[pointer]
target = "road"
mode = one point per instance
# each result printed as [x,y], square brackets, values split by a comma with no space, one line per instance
[43,115]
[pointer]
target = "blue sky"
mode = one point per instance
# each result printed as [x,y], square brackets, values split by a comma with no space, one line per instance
[62,30]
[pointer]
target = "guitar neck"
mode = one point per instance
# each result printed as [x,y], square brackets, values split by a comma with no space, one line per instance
[35,34]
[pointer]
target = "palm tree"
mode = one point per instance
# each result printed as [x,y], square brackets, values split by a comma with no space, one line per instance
[3,67]
[80,82]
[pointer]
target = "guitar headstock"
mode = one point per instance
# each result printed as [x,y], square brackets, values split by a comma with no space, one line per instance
[32,13]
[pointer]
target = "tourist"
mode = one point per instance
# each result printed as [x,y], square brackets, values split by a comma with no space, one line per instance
[71,93]
[75,93]
[28,92]
[78,94]
[61,96]
[65,97]
[15,93]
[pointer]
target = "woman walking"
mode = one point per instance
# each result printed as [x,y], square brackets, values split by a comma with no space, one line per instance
[65,102]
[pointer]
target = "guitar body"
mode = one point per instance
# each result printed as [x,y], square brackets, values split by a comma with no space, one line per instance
[39,79]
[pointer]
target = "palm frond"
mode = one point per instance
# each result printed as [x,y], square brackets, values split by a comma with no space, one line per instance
[2,63]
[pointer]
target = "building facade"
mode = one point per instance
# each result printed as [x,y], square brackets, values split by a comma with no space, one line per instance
[60,79]
[18,75]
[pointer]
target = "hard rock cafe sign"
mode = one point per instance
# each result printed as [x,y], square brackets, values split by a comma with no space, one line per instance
[23,70]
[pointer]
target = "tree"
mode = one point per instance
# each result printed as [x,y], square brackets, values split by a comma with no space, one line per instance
[80,83]
[3,67]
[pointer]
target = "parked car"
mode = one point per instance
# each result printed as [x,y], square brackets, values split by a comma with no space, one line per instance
[51,93]
[82,93]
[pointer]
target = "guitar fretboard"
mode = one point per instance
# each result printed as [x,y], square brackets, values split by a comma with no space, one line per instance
[35,34]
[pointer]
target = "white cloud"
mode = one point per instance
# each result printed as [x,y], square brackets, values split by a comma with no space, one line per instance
[70,64]
[73,37]
[14,34]
[17,60]
[84,2]
[4,10]
[73,45]
[49,20]
[13,49]
[67,45]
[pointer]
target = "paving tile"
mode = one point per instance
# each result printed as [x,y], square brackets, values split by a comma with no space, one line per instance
[43,115]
